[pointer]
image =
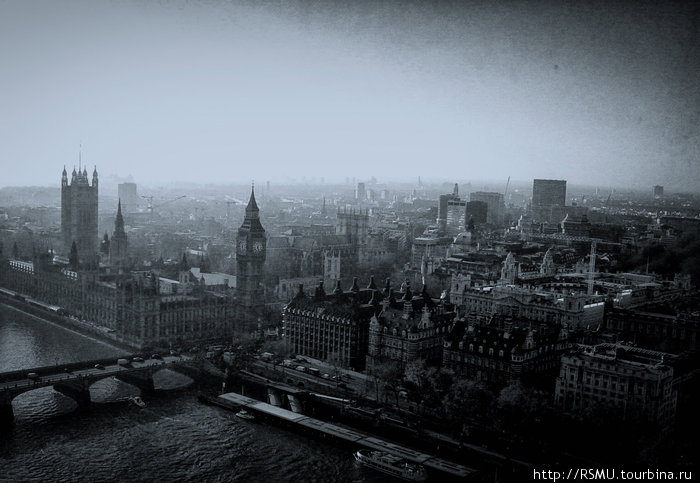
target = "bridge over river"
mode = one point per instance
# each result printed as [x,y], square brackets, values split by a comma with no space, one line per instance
[74,379]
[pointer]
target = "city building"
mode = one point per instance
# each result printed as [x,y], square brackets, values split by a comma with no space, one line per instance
[408,328]
[665,332]
[477,211]
[637,382]
[333,327]
[503,350]
[574,310]
[79,215]
[658,191]
[495,205]
[137,308]
[547,196]
[451,213]
[352,225]
[429,250]
[129,197]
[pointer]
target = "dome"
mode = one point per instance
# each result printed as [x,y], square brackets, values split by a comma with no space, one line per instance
[464,238]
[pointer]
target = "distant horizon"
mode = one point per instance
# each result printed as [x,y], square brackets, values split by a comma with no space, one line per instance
[229,90]
[476,184]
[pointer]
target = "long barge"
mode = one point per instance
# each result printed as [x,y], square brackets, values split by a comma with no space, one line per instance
[233,401]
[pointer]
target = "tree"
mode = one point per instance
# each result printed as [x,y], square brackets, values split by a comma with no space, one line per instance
[467,401]
[427,385]
[387,375]
[275,346]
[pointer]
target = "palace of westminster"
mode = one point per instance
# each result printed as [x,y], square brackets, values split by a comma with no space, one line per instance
[139,307]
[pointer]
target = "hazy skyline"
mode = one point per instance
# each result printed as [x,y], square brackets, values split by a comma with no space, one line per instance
[597,92]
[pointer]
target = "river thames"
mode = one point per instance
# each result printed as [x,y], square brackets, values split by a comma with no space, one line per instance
[175,438]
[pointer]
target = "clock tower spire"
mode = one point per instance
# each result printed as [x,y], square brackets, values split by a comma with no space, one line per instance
[250,258]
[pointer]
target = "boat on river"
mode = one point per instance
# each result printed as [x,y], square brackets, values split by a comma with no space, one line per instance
[243,414]
[135,400]
[391,464]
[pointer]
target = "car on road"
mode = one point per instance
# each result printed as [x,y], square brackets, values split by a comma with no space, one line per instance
[99,366]
[67,371]
[138,359]
[156,356]
[33,375]
[326,375]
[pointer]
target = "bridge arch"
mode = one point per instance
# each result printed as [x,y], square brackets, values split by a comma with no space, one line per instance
[76,385]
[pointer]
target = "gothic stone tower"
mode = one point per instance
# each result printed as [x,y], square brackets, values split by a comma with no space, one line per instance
[79,214]
[250,258]
[117,248]
[353,226]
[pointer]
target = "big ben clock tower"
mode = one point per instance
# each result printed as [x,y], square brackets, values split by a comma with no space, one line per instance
[250,257]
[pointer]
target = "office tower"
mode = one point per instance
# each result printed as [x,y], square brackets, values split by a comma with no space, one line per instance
[547,195]
[128,197]
[495,206]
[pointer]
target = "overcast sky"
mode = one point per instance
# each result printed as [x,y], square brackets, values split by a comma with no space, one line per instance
[594,92]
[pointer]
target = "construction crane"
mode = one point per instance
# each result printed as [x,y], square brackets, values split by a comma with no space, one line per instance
[151,206]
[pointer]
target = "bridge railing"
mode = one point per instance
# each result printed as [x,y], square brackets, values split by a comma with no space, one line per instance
[58,368]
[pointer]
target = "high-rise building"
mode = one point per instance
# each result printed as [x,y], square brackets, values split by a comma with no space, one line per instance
[128,197]
[495,205]
[79,214]
[658,191]
[451,212]
[456,214]
[250,258]
[476,211]
[547,195]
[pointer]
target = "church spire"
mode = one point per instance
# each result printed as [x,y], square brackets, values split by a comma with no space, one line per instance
[119,221]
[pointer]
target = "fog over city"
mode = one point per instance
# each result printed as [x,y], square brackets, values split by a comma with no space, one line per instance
[348,241]
[602,93]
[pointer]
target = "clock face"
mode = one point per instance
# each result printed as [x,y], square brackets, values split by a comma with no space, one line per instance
[242,245]
[257,247]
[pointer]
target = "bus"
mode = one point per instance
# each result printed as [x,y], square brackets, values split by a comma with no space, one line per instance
[50,308]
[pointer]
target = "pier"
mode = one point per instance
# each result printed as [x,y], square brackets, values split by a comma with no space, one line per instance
[234,401]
